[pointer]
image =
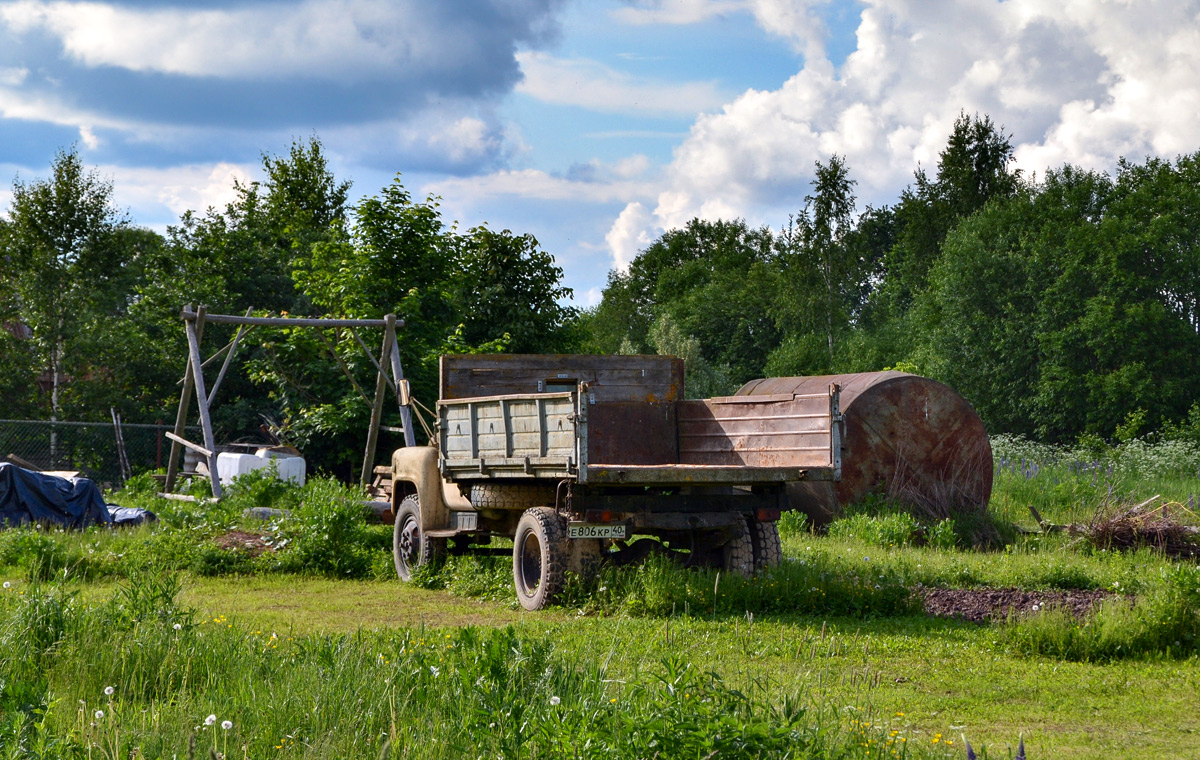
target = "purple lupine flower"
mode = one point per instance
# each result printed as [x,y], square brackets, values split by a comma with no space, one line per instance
[1020,749]
[970,752]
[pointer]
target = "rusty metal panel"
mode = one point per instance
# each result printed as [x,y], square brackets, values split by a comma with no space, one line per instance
[781,430]
[697,475]
[910,437]
[647,379]
[632,433]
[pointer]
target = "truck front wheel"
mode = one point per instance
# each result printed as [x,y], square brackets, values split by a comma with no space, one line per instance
[539,557]
[411,548]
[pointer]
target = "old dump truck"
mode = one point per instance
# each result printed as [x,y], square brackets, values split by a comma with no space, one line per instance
[572,457]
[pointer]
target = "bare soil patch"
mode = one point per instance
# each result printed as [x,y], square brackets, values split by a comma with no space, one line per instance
[981,605]
[253,544]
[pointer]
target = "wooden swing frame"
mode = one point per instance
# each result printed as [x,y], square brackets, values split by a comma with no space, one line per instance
[193,383]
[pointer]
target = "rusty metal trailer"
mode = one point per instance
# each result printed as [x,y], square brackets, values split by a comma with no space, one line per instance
[573,457]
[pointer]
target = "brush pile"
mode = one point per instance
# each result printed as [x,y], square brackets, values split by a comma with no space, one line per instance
[1170,527]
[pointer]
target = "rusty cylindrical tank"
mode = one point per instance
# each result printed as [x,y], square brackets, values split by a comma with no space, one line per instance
[906,436]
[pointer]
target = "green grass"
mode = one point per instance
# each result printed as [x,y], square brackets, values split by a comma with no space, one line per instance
[831,641]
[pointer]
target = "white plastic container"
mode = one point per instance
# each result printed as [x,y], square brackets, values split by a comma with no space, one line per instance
[230,465]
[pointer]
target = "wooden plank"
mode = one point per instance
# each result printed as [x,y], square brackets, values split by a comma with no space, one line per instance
[189,444]
[231,319]
[25,463]
[376,414]
[193,335]
[185,400]
[398,377]
[614,378]
[178,496]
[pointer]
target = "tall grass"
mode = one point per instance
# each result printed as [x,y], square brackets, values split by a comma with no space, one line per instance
[139,671]
[1165,622]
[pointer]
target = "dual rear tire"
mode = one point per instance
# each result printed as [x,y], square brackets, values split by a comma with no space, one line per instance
[540,557]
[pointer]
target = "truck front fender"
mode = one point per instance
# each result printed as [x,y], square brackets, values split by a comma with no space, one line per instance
[418,466]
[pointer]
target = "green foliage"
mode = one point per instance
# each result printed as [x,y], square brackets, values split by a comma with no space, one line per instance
[896,529]
[822,277]
[792,523]
[68,269]
[326,533]
[714,283]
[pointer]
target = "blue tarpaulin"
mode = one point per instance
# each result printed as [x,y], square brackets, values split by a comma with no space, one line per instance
[27,496]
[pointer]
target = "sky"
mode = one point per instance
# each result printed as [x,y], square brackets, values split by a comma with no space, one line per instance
[595,125]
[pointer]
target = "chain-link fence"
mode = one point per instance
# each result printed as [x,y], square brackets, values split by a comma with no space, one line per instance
[90,447]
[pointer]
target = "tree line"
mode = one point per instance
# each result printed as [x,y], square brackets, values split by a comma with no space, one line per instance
[1059,306]
[91,302]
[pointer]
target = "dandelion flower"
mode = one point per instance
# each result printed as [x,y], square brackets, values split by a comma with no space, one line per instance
[178,626]
[211,719]
[554,700]
[108,691]
[7,584]
[226,724]
[99,714]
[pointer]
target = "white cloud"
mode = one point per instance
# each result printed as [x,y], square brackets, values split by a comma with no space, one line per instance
[178,188]
[791,19]
[1075,82]
[591,297]
[591,85]
[326,39]
[676,12]
[13,77]
[602,184]
[630,233]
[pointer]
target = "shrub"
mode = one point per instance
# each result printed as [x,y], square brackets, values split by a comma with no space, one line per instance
[326,533]
[792,523]
[896,529]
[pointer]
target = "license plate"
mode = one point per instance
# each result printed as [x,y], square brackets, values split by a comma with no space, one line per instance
[588,530]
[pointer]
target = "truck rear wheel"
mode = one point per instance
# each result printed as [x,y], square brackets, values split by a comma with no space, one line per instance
[539,557]
[411,548]
[737,555]
[764,537]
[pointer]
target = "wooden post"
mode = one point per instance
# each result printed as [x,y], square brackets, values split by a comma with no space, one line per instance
[193,330]
[368,467]
[398,376]
[185,400]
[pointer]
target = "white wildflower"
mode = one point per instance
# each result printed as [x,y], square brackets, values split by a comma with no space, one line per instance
[554,700]
[99,714]
[178,626]
[210,720]
[7,584]
[226,724]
